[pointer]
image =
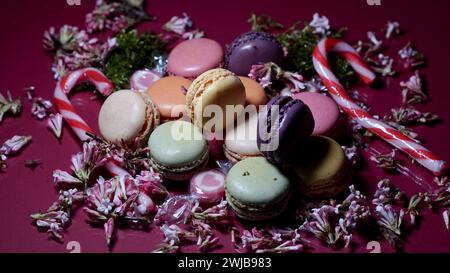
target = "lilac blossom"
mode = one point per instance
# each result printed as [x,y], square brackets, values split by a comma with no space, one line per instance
[320,24]
[178,24]
[385,194]
[408,115]
[54,123]
[385,161]
[8,105]
[390,222]
[333,224]
[351,152]
[269,72]
[383,65]
[411,57]
[268,240]
[392,28]
[14,144]
[41,108]
[412,90]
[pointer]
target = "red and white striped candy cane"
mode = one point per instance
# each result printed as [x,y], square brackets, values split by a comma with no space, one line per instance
[70,114]
[389,134]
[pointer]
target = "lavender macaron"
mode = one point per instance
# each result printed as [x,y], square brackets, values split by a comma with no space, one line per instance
[253,48]
[283,126]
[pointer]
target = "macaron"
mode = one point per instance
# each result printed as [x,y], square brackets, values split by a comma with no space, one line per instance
[168,95]
[325,113]
[126,115]
[283,126]
[254,92]
[192,57]
[215,99]
[178,150]
[256,190]
[253,48]
[323,169]
[240,141]
[208,186]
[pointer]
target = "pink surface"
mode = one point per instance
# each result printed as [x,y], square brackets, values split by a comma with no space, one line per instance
[24,63]
[324,110]
[193,57]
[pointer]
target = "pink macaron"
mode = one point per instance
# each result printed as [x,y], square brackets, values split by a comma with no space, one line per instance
[191,58]
[325,113]
[208,186]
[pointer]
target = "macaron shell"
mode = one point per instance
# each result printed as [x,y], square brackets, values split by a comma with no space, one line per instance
[167,94]
[241,138]
[217,88]
[323,168]
[324,110]
[176,144]
[281,143]
[253,48]
[254,92]
[255,181]
[193,57]
[122,116]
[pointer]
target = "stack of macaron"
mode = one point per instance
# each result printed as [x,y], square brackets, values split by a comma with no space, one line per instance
[175,116]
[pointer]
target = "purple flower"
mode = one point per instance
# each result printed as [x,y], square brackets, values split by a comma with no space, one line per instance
[54,222]
[392,28]
[384,65]
[408,115]
[63,177]
[320,24]
[445,216]
[267,73]
[389,219]
[9,105]
[411,57]
[385,161]
[15,144]
[109,230]
[54,122]
[178,25]
[412,90]
[40,107]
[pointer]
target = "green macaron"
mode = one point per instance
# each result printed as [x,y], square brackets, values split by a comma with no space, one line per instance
[323,169]
[257,190]
[178,150]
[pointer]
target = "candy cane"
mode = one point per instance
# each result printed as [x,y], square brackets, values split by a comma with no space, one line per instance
[389,134]
[78,125]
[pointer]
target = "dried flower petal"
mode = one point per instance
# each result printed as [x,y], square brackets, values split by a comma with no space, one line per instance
[54,122]
[412,90]
[15,144]
[411,57]
[385,161]
[320,24]
[9,105]
[392,28]
[178,25]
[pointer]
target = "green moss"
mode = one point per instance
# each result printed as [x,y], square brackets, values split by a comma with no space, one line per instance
[300,43]
[132,53]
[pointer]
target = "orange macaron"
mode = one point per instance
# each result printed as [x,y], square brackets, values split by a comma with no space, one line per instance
[168,94]
[254,92]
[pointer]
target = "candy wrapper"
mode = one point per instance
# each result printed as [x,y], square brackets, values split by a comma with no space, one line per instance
[175,210]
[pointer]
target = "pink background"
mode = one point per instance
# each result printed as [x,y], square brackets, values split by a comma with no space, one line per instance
[24,63]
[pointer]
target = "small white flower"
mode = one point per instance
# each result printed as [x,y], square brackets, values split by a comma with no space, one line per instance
[320,24]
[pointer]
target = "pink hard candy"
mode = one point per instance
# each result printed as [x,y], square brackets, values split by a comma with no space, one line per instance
[143,79]
[208,186]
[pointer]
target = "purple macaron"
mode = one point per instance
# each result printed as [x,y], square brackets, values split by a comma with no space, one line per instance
[253,48]
[279,139]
